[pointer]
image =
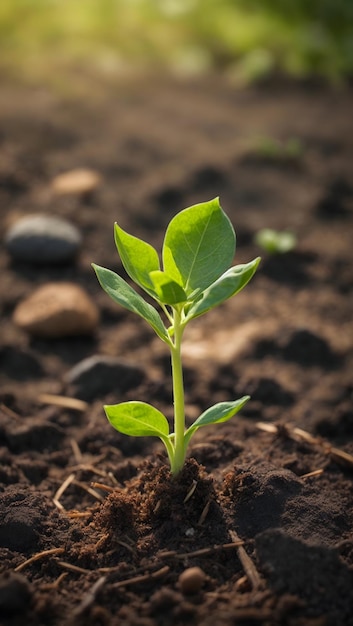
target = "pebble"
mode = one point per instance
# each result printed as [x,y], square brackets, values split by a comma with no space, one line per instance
[76,182]
[42,239]
[98,375]
[191,580]
[57,310]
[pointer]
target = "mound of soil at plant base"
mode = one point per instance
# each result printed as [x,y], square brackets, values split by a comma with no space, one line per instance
[112,531]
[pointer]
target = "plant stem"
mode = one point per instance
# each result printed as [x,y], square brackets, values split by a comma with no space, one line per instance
[178,395]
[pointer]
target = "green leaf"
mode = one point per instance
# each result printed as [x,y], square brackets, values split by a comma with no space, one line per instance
[138,258]
[230,283]
[137,419]
[199,246]
[216,414]
[119,290]
[167,290]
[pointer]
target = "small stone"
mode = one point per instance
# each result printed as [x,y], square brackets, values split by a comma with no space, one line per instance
[98,375]
[43,239]
[57,310]
[192,580]
[76,182]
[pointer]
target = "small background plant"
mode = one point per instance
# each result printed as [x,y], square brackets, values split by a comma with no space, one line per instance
[275,241]
[195,277]
[276,151]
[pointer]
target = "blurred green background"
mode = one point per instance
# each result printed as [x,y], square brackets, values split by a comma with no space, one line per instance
[247,39]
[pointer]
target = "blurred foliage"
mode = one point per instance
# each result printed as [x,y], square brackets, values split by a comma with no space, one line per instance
[275,241]
[247,38]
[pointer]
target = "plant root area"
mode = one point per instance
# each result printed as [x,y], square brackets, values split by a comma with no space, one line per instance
[257,528]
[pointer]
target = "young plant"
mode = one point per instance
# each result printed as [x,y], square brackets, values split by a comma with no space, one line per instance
[195,277]
[275,241]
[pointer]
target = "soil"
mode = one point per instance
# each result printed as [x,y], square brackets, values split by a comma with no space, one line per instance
[93,530]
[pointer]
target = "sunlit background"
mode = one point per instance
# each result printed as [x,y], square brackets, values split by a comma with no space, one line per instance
[244,39]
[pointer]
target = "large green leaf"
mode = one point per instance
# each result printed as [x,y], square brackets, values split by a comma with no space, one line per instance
[167,290]
[138,257]
[216,414]
[120,291]
[230,283]
[199,246]
[137,419]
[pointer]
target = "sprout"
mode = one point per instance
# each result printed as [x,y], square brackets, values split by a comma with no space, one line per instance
[195,276]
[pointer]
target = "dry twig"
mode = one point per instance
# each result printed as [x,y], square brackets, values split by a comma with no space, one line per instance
[202,552]
[63,401]
[248,565]
[298,434]
[191,491]
[103,487]
[143,578]
[74,568]
[38,556]
[61,490]
[204,513]
[89,490]
[90,596]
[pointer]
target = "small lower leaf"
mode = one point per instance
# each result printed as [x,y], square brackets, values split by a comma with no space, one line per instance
[216,414]
[137,419]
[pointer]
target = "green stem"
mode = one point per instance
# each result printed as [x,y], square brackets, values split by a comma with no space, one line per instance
[178,395]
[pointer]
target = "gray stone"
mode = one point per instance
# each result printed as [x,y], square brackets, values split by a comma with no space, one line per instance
[98,375]
[43,239]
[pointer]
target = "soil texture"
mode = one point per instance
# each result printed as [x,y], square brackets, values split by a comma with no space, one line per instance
[257,529]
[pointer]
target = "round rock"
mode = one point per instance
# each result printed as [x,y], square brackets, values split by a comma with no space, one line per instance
[43,239]
[57,310]
[76,182]
[99,374]
[191,580]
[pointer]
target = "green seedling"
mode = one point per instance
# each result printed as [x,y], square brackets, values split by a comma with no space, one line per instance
[280,151]
[274,241]
[195,276]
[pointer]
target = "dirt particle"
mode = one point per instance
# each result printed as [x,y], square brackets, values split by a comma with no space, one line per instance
[117,513]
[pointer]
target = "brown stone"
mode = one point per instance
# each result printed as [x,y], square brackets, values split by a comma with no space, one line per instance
[191,580]
[76,182]
[57,310]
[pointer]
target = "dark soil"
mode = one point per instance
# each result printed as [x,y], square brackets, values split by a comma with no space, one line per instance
[112,531]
